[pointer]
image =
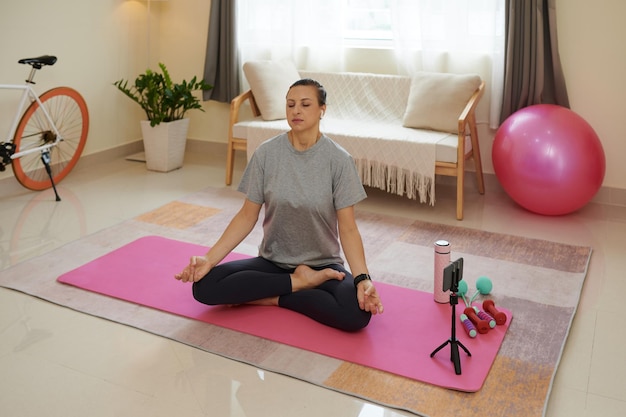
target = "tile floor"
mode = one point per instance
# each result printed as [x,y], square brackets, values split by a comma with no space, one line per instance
[57,362]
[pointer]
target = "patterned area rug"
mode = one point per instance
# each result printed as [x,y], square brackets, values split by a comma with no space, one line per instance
[539,281]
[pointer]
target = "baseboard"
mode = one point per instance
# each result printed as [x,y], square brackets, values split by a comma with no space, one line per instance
[610,196]
[111,154]
[217,150]
[133,151]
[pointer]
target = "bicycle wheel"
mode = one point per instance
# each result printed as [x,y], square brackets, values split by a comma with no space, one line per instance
[68,112]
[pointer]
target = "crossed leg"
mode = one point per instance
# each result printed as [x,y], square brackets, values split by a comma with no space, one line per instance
[320,293]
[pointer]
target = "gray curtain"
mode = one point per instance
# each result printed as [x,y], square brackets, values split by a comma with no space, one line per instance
[221,63]
[532,69]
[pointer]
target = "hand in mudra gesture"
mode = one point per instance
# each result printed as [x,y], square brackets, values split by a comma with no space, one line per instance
[198,267]
[368,297]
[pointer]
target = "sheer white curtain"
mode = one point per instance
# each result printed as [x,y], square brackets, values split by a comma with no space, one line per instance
[457,36]
[308,32]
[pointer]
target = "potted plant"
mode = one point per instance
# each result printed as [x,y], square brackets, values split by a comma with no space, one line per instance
[165,104]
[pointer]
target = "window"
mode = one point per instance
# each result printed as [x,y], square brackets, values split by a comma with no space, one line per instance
[459,36]
[368,20]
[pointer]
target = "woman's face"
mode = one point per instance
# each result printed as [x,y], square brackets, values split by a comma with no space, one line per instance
[303,110]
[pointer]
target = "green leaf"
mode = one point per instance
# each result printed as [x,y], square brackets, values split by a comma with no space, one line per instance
[160,98]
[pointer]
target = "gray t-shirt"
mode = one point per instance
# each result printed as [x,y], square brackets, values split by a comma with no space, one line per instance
[302,191]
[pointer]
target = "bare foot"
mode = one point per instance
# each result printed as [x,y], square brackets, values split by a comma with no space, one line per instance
[272,301]
[305,277]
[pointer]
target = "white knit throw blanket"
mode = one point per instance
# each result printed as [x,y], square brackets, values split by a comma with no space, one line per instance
[364,115]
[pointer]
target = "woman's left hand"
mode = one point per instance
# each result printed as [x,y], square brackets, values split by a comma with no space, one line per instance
[368,297]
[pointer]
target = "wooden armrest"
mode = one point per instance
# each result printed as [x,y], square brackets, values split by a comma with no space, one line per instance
[470,107]
[237,144]
[235,106]
[467,118]
[236,103]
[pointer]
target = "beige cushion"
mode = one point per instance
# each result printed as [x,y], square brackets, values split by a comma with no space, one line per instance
[436,100]
[269,82]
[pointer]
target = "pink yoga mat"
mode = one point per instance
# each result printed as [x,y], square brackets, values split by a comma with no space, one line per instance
[399,341]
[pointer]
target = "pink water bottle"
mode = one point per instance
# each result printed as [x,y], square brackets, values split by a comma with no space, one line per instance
[442,259]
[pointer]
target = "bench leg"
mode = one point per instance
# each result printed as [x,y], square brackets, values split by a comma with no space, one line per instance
[230,162]
[460,184]
[460,176]
[476,156]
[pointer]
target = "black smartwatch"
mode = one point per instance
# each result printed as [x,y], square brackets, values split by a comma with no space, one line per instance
[360,278]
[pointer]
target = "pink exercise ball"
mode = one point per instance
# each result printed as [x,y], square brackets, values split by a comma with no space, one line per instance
[548,159]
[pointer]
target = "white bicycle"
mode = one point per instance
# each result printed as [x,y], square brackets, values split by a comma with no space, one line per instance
[46,140]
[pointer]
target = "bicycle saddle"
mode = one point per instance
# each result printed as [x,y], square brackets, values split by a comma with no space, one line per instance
[40,61]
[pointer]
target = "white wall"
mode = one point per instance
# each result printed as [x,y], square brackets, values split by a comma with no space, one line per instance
[591,43]
[98,42]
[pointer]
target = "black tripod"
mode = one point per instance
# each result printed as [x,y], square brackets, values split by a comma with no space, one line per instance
[452,274]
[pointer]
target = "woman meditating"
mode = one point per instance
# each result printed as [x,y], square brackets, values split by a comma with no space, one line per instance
[309,186]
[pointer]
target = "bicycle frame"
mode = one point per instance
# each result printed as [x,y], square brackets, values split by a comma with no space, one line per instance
[28,92]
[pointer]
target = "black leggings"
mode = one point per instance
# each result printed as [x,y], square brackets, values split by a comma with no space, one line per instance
[333,303]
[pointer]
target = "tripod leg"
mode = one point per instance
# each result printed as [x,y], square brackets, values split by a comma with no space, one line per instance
[45,158]
[439,348]
[464,348]
[454,357]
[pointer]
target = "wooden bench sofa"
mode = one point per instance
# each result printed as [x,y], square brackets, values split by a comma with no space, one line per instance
[401,131]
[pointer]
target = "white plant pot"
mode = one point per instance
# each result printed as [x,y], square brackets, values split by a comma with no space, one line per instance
[164,144]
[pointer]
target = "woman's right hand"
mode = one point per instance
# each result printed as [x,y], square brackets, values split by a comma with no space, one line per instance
[198,267]
[239,227]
